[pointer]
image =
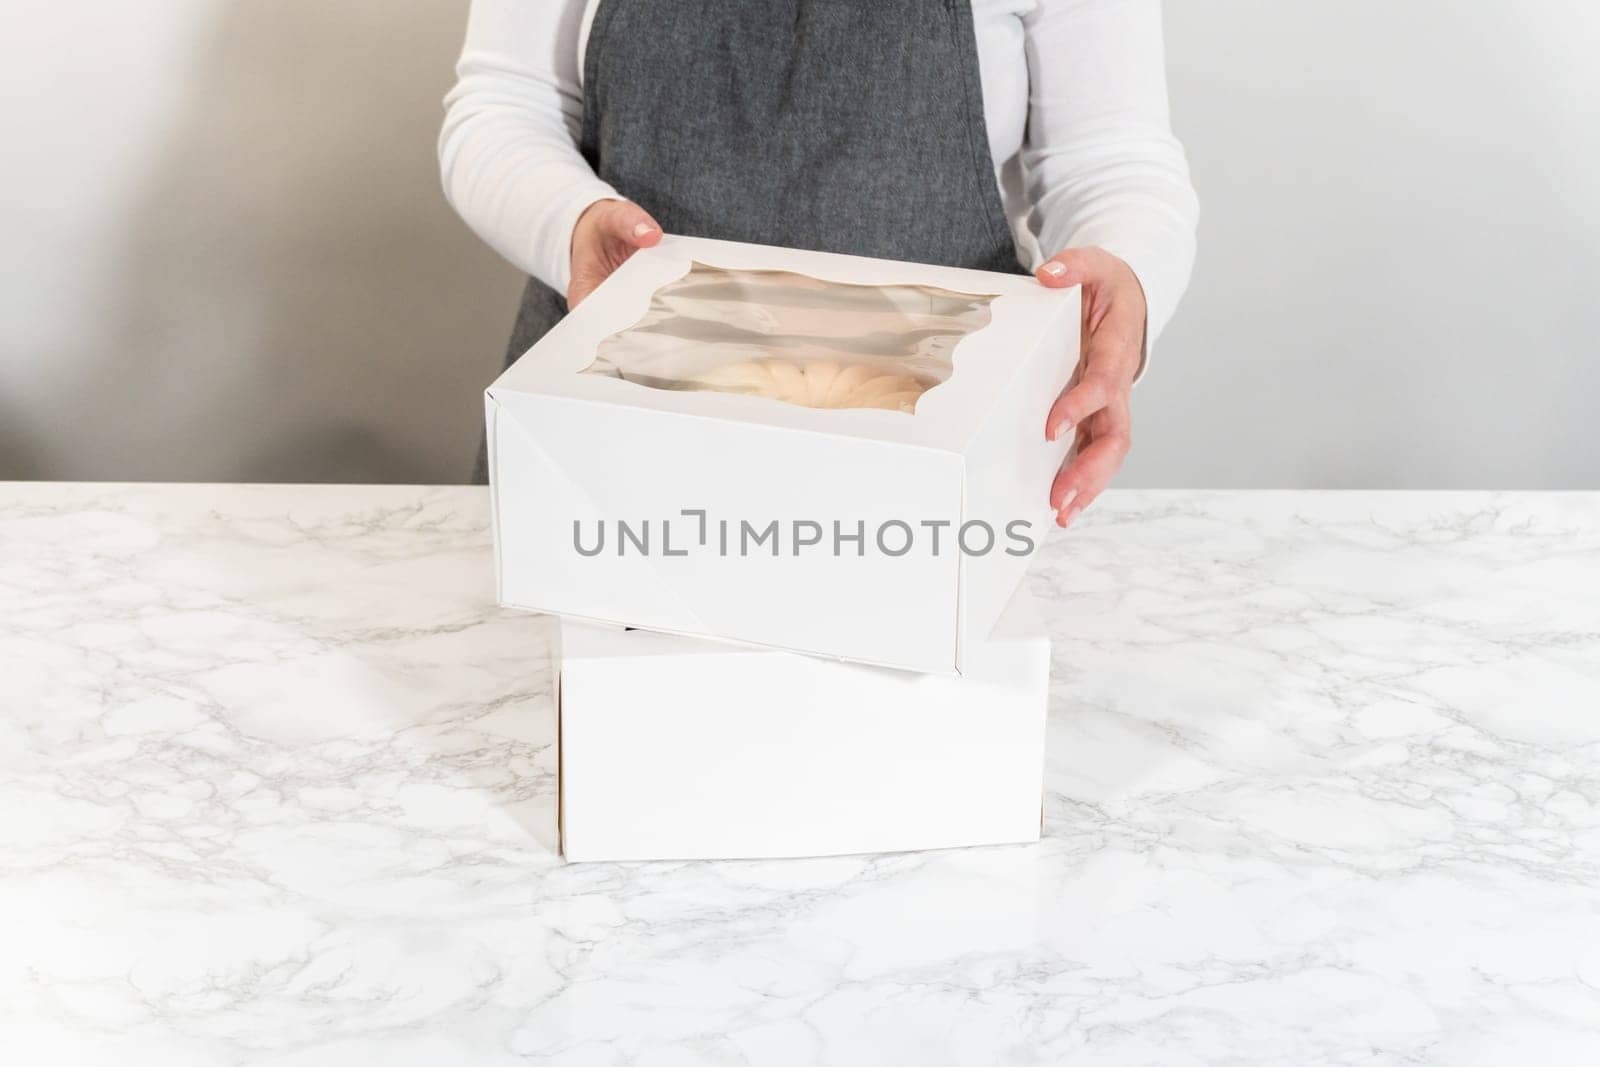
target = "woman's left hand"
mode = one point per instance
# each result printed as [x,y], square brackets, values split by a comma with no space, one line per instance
[1094,405]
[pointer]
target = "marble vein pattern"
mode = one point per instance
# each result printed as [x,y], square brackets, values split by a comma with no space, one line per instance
[277,786]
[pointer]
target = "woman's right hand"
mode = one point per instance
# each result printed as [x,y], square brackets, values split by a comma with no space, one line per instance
[607,233]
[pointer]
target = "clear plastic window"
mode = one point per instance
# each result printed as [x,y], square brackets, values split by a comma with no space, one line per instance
[794,338]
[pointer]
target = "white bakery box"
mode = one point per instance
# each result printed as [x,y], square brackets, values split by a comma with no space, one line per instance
[678,748]
[799,450]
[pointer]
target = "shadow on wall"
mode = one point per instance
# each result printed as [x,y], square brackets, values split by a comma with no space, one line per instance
[292,299]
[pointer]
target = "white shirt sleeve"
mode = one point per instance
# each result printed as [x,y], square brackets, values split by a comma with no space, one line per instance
[508,152]
[1101,164]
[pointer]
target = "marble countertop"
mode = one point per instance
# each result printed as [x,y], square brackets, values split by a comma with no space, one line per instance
[277,786]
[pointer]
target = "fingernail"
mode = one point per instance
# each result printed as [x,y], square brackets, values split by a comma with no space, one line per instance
[1066,502]
[1055,270]
[640,229]
[1067,515]
[1060,431]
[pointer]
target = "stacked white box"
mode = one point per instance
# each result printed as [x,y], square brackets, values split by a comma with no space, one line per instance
[875,678]
[677,748]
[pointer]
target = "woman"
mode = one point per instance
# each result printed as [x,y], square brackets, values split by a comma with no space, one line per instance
[971,134]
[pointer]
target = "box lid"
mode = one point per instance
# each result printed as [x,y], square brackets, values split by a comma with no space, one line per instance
[946,416]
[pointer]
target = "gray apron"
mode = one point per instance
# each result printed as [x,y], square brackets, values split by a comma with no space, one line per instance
[849,126]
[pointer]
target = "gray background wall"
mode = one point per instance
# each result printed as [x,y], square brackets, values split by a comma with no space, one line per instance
[226,257]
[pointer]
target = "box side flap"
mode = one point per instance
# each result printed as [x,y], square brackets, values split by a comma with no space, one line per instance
[1009,469]
[1022,622]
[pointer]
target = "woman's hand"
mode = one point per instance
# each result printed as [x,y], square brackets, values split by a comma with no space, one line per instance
[606,234]
[1094,405]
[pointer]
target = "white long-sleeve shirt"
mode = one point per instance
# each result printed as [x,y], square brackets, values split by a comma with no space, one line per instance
[1075,102]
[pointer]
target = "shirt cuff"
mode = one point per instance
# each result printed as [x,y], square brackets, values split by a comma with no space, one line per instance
[551,260]
[1160,256]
